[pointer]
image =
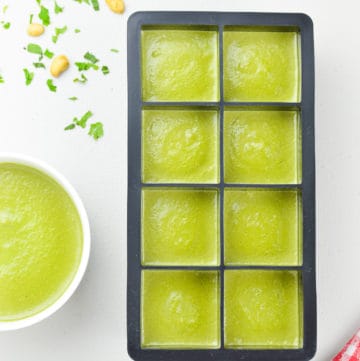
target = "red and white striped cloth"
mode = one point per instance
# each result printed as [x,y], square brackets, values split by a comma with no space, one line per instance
[351,351]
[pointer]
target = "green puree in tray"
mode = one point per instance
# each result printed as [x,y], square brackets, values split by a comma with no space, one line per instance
[180,227]
[263,309]
[261,65]
[180,145]
[262,146]
[180,64]
[180,309]
[40,241]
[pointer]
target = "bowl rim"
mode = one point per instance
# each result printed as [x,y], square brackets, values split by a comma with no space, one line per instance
[48,170]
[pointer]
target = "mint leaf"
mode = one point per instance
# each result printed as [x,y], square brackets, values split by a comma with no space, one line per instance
[52,87]
[44,15]
[28,76]
[91,57]
[96,130]
[57,8]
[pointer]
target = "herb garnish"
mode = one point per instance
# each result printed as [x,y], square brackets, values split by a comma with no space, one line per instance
[29,76]
[52,87]
[96,129]
[39,65]
[58,32]
[105,70]
[49,54]
[83,79]
[44,15]
[57,8]
[91,57]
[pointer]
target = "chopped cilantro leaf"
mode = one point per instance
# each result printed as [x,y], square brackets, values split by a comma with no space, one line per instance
[29,76]
[114,50]
[48,54]
[91,57]
[83,120]
[31,18]
[34,49]
[44,15]
[95,5]
[70,126]
[77,31]
[83,1]
[57,8]
[51,85]
[86,66]
[58,32]
[39,65]
[5,8]
[1,79]
[96,130]
[6,26]
[105,70]
[83,79]
[73,99]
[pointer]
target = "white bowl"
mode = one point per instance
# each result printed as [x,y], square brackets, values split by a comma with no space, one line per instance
[59,178]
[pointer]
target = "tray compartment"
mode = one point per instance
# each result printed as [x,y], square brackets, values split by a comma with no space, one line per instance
[180,309]
[180,63]
[180,145]
[263,309]
[263,227]
[262,145]
[180,227]
[261,64]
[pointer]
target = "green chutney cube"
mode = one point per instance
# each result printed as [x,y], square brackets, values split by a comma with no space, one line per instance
[180,309]
[180,64]
[180,227]
[262,227]
[41,241]
[261,65]
[263,309]
[180,146]
[262,146]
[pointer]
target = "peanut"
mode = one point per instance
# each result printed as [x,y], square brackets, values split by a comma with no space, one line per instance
[59,65]
[35,29]
[117,6]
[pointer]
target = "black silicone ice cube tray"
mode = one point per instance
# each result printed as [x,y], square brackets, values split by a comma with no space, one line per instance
[303,104]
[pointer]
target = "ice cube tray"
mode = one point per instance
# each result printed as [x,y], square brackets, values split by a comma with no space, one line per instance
[221,187]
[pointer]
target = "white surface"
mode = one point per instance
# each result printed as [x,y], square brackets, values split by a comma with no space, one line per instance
[59,178]
[91,327]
